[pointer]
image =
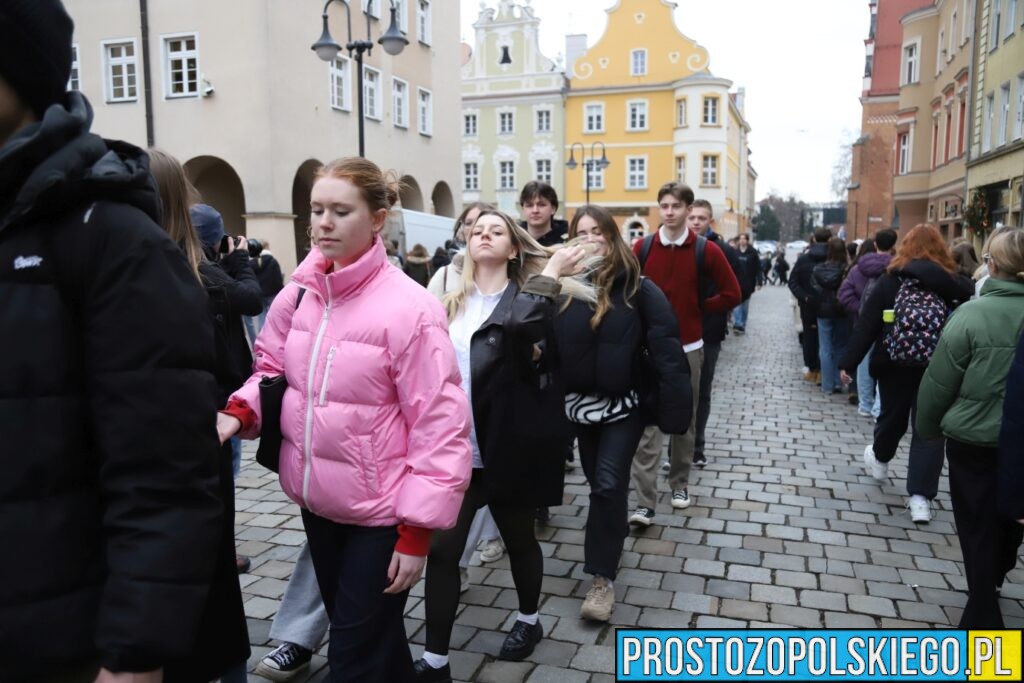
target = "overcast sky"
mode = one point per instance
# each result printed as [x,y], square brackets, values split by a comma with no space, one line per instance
[801,62]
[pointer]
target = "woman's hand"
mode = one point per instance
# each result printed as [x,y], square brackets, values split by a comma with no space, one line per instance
[845,378]
[404,571]
[106,676]
[227,426]
[565,261]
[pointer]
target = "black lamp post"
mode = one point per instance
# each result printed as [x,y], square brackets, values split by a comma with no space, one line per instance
[327,49]
[601,163]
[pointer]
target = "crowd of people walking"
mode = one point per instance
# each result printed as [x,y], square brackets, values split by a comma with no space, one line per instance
[415,407]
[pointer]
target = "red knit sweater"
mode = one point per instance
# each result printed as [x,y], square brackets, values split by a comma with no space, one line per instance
[674,270]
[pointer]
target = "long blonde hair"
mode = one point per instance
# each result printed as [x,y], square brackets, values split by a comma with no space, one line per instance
[531,258]
[1007,252]
[176,195]
[620,259]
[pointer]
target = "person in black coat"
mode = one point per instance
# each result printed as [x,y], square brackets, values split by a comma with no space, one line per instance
[749,277]
[268,273]
[833,325]
[109,504]
[501,328]
[223,644]
[800,286]
[1011,442]
[782,268]
[601,349]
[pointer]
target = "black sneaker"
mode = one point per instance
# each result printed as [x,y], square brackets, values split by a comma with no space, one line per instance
[519,643]
[642,516]
[284,662]
[699,460]
[428,674]
[543,515]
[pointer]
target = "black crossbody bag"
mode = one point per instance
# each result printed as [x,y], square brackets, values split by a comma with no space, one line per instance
[272,390]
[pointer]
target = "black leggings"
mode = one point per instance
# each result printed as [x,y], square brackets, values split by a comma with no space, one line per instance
[442,590]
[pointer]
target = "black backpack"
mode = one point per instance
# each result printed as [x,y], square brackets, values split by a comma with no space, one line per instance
[702,283]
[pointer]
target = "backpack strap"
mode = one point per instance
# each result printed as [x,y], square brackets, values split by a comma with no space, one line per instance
[702,282]
[298,297]
[645,250]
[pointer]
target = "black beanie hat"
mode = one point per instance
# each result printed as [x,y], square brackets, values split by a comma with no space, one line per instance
[35,50]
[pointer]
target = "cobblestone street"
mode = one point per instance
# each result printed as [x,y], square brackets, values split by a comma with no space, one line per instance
[787,530]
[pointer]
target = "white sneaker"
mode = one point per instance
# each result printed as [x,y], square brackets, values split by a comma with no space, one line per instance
[920,509]
[879,470]
[864,413]
[492,550]
[681,499]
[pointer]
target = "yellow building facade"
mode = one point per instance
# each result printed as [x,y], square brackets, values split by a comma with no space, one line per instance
[643,97]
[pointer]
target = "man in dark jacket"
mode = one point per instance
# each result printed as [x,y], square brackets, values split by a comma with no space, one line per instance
[108,500]
[539,202]
[714,325]
[800,286]
[750,279]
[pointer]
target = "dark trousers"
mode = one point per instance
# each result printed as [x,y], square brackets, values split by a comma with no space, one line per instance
[606,452]
[898,390]
[707,376]
[809,321]
[988,541]
[524,555]
[368,640]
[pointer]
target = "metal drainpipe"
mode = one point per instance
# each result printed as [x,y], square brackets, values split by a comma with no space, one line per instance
[147,88]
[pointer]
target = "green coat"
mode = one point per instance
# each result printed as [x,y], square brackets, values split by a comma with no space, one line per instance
[961,395]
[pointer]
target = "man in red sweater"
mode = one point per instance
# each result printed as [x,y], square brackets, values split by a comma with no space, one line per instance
[672,265]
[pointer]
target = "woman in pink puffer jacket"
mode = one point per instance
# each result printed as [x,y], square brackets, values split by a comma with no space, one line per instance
[374,419]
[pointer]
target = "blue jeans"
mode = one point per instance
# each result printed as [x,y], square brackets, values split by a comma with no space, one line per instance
[865,384]
[833,334]
[739,315]
[236,455]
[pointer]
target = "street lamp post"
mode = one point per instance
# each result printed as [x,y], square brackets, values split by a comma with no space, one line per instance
[601,163]
[327,49]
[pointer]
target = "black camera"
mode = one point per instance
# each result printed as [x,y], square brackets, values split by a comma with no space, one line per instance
[223,249]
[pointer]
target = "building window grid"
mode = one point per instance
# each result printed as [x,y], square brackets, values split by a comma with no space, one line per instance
[506,175]
[543,121]
[903,160]
[968,16]
[425,110]
[995,23]
[910,63]
[542,170]
[638,62]
[471,176]
[637,119]
[181,65]
[596,175]
[940,50]
[1018,131]
[506,123]
[681,112]
[400,103]
[469,125]
[710,117]
[946,151]
[1011,17]
[961,127]
[935,142]
[709,170]
[951,48]
[681,169]
[424,21]
[636,173]
[75,78]
[986,129]
[593,118]
[402,12]
[371,93]
[341,79]
[1004,113]
[121,71]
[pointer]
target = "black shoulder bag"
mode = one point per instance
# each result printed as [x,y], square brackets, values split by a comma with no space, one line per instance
[272,390]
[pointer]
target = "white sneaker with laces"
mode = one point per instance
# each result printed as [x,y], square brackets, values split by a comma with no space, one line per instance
[681,499]
[920,509]
[492,550]
[879,470]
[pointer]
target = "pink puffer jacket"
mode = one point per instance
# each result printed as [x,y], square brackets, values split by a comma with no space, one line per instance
[374,419]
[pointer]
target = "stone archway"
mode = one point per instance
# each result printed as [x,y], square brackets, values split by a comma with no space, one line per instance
[221,188]
[410,194]
[302,185]
[441,198]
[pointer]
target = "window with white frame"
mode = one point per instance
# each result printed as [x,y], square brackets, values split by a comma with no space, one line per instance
[1018,127]
[181,66]
[542,170]
[1011,17]
[425,108]
[710,117]
[986,126]
[75,79]
[543,121]
[1004,113]
[471,176]
[709,170]
[911,60]
[968,15]
[400,103]
[638,62]
[424,22]
[903,160]
[596,175]
[593,118]
[506,175]
[469,125]
[506,123]
[122,72]
[637,119]
[401,12]
[636,173]
[374,9]
[681,112]
[951,47]
[341,83]
[995,22]
[372,105]
[940,51]
[681,169]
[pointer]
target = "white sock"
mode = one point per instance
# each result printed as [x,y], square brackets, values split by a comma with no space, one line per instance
[435,661]
[530,619]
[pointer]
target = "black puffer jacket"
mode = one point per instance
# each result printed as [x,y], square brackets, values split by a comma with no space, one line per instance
[800,278]
[606,361]
[108,499]
[953,288]
[826,279]
[716,325]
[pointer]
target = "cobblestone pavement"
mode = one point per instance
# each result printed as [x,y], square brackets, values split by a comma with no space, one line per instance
[787,530]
